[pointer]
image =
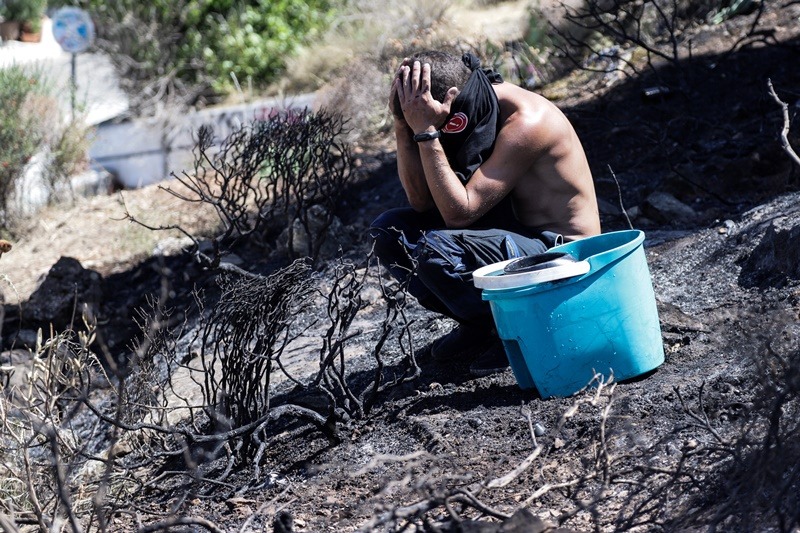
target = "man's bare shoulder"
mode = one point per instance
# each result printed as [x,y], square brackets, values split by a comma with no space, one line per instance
[516,99]
[555,190]
[531,116]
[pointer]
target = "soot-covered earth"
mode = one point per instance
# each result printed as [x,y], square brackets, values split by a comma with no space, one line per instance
[709,440]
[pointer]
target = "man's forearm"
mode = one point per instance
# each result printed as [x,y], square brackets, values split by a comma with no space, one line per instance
[448,193]
[410,169]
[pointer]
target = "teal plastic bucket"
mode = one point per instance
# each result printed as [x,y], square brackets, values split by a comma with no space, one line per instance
[559,334]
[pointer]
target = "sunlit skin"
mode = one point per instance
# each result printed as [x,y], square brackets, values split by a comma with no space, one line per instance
[538,160]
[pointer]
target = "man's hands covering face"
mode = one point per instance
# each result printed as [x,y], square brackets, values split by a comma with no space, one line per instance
[412,85]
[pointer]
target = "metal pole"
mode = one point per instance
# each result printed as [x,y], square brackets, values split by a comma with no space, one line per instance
[73,84]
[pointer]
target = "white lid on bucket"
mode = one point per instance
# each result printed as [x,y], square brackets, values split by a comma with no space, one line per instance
[529,270]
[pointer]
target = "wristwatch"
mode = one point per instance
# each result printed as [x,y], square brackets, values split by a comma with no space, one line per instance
[427,135]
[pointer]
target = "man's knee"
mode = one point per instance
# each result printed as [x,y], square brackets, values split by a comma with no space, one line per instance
[382,222]
[441,268]
[438,253]
[397,219]
[383,232]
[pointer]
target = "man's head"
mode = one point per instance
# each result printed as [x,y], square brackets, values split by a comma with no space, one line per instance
[446,71]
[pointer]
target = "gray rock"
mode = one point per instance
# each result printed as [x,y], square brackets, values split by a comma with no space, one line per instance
[92,182]
[607,208]
[522,521]
[26,338]
[304,239]
[15,366]
[664,208]
[674,319]
[172,246]
[232,259]
[775,258]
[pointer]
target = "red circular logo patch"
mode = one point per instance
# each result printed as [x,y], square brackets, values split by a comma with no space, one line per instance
[456,124]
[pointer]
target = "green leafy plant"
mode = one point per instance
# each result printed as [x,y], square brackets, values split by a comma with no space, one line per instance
[25,11]
[30,124]
[189,51]
[21,132]
[253,40]
[13,10]
[33,22]
[68,145]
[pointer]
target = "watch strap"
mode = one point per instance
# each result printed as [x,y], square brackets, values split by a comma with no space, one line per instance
[427,136]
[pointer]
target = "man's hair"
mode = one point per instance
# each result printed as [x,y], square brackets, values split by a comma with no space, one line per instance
[447,71]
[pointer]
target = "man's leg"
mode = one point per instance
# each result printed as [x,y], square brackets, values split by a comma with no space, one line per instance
[395,234]
[446,260]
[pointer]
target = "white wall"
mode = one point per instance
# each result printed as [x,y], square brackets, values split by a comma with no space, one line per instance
[141,152]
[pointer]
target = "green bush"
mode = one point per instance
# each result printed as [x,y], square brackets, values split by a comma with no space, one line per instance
[194,46]
[252,40]
[23,10]
[31,123]
[21,131]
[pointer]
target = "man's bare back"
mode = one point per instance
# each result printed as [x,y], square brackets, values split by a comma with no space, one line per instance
[556,191]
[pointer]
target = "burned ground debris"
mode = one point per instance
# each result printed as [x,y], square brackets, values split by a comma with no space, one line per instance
[216,418]
[275,184]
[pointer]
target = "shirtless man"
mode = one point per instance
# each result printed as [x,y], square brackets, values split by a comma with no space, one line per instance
[516,184]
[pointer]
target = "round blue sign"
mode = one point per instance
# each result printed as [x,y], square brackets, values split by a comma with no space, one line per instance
[73,29]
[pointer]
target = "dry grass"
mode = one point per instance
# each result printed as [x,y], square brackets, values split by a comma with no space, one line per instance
[351,65]
[94,232]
